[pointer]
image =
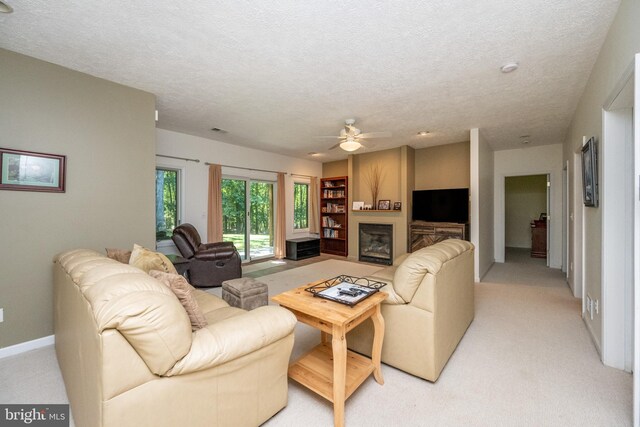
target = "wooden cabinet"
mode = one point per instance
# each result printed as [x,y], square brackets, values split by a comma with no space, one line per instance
[539,239]
[333,215]
[423,234]
[305,247]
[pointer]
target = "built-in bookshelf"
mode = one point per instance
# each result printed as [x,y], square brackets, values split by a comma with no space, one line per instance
[333,215]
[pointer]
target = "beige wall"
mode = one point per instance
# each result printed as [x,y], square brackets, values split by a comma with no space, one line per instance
[337,168]
[392,170]
[107,133]
[195,175]
[525,198]
[442,166]
[617,53]
[481,227]
[397,181]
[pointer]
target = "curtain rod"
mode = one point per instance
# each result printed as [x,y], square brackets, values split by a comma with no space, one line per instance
[247,169]
[178,158]
[300,175]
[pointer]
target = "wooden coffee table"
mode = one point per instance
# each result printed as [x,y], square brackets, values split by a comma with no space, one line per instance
[330,369]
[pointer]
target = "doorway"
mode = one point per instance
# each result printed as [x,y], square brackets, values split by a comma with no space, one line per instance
[248,216]
[526,207]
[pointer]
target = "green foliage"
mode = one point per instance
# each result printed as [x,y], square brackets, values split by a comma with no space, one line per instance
[234,207]
[300,205]
[166,202]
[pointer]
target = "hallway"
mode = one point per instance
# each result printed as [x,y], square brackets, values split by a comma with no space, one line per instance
[520,269]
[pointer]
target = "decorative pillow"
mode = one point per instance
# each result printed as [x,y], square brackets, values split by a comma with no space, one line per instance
[119,255]
[184,291]
[147,260]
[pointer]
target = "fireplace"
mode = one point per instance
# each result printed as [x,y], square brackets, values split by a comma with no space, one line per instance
[375,243]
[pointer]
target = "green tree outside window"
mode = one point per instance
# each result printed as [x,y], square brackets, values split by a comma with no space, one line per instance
[166,202]
[300,206]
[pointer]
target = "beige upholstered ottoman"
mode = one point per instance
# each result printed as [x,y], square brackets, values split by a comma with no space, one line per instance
[245,292]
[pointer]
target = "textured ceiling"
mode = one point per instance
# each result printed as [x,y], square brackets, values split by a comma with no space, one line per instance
[274,74]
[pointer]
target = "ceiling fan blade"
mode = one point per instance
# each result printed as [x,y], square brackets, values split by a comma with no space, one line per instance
[335,146]
[375,135]
[328,137]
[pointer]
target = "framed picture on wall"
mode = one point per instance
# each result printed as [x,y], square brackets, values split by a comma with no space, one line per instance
[384,205]
[31,171]
[590,173]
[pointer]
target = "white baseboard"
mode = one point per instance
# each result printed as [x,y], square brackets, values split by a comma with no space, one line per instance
[27,346]
[592,335]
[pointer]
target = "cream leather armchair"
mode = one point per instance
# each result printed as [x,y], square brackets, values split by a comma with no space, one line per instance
[428,310]
[128,355]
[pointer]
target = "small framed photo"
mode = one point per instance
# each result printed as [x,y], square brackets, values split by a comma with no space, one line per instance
[31,171]
[384,205]
[397,206]
[358,206]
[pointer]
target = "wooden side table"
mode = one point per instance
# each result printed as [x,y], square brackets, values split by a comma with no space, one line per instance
[329,369]
[539,238]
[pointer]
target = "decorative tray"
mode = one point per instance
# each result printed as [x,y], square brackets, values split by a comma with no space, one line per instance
[344,289]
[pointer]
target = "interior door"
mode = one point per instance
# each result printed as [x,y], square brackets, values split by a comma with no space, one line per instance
[548,216]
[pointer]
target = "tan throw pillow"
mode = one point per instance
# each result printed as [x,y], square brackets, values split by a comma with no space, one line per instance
[119,255]
[147,260]
[184,291]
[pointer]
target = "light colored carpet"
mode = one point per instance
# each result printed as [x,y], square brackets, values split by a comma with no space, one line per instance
[252,268]
[526,360]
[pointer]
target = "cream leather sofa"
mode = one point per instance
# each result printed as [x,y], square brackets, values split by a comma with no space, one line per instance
[129,358]
[429,308]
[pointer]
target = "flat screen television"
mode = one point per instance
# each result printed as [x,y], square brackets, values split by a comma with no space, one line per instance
[450,205]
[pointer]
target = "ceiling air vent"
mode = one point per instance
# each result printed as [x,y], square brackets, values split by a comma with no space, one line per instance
[219,130]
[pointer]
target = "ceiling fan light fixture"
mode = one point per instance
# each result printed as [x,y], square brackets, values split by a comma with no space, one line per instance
[350,145]
[5,8]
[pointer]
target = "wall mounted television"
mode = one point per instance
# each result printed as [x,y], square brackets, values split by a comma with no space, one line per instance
[451,205]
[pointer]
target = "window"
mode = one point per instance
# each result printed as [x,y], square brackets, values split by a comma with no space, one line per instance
[300,206]
[166,202]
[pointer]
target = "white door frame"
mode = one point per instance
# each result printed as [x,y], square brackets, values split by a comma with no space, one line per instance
[636,244]
[576,267]
[616,191]
[620,213]
[500,240]
[565,220]
[548,190]
[617,200]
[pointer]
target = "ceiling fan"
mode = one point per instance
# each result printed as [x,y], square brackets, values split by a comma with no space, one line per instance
[351,137]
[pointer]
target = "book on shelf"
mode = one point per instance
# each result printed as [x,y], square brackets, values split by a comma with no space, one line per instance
[327,221]
[333,208]
[333,194]
[332,233]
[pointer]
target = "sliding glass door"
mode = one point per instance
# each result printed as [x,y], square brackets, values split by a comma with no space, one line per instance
[248,216]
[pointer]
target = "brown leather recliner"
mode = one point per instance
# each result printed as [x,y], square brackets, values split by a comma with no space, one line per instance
[211,263]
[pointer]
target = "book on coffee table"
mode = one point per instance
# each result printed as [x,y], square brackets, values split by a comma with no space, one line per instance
[344,289]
